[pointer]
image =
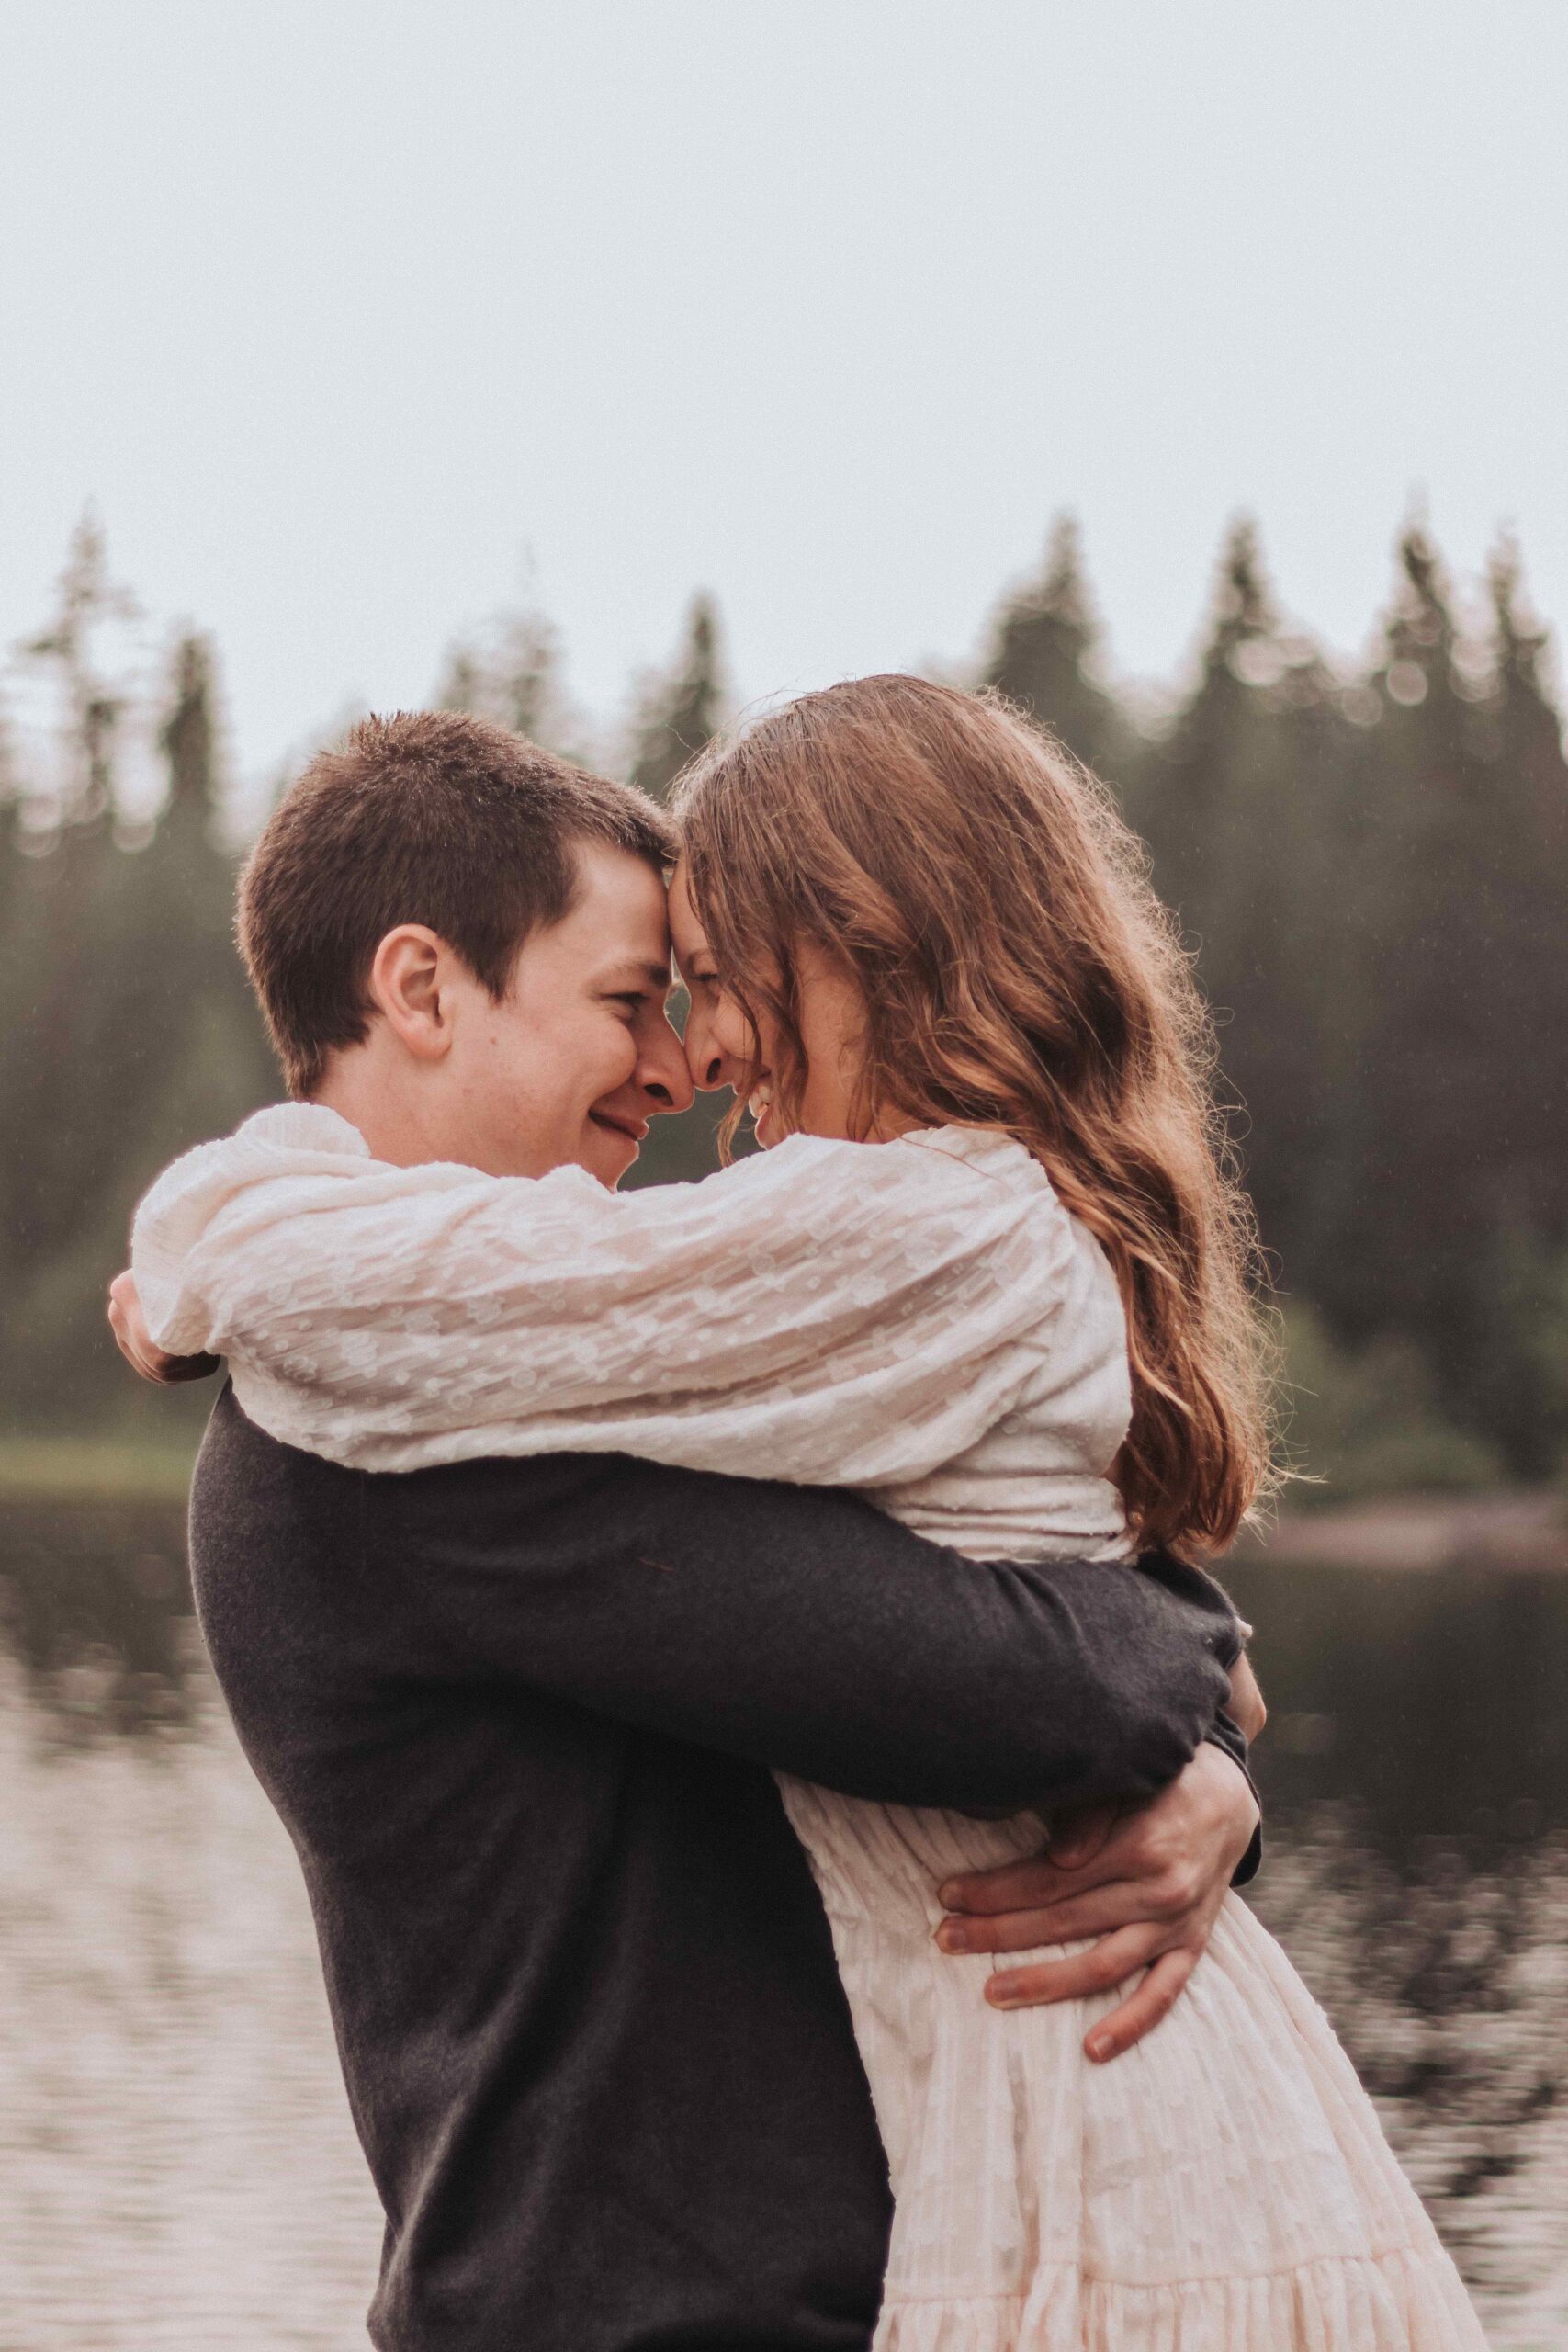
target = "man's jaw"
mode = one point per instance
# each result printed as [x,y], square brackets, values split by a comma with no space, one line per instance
[618,1139]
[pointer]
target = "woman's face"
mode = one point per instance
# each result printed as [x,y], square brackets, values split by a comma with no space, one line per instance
[719,1040]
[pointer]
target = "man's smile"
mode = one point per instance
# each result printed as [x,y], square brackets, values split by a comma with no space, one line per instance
[619,1122]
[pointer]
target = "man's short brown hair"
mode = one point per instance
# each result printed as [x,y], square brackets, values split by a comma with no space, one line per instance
[428,817]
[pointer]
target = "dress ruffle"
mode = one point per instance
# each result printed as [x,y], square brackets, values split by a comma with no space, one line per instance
[1223,2187]
[1406,2300]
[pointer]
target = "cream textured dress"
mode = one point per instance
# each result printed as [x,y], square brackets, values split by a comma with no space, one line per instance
[921,1320]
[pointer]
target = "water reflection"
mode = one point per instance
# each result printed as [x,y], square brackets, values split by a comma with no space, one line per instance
[1445,1968]
[96,1612]
[176,2162]
[178,2166]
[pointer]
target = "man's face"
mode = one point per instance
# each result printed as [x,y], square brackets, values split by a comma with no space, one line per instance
[578,1057]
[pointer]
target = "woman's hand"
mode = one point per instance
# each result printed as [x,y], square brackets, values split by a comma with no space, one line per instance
[1147,1882]
[137,1346]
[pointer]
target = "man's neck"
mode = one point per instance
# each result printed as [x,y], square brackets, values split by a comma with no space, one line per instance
[395,1118]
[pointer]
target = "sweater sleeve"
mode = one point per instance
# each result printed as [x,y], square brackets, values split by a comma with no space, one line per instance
[836,1313]
[850,1651]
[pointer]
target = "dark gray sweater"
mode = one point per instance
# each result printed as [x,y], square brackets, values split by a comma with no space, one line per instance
[516,1715]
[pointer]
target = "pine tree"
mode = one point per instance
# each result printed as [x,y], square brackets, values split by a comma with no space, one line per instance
[1392,1115]
[1450,1119]
[1516,1384]
[139,1040]
[1044,655]
[215,1065]
[53,1147]
[512,673]
[1237,801]
[679,713]
[1199,790]
[1516,742]
[92,700]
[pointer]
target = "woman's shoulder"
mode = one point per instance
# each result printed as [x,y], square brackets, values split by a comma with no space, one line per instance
[978,1182]
[1002,1168]
[945,1196]
[951,1163]
[989,1153]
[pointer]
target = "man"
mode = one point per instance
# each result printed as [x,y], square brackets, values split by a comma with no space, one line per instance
[517,1714]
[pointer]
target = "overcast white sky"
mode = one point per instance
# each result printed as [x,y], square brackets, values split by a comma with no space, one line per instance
[345,312]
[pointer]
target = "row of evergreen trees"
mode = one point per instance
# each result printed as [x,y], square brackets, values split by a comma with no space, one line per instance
[1373,871]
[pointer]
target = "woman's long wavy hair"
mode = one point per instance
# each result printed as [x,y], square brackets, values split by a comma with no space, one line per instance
[1016,971]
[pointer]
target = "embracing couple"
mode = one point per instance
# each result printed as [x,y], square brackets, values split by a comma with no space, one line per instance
[690,1634]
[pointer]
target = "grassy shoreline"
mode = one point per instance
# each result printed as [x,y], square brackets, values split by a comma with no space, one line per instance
[1500,1527]
[97,1469]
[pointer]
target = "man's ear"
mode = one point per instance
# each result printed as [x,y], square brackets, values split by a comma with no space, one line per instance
[411,976]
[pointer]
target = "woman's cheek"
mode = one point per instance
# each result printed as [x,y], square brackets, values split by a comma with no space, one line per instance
[696,1040]
[735,1036]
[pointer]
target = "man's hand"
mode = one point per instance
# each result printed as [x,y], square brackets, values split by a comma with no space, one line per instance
[137,1346]
[1148,1883]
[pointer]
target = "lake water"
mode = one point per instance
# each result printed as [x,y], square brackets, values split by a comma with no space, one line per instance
[176,2164]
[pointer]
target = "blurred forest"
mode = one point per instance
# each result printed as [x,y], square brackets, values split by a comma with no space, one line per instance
[1371,868]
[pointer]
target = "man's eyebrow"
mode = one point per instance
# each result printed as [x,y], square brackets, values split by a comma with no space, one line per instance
[634,967]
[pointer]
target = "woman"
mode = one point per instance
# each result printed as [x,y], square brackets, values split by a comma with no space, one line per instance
[989,1269]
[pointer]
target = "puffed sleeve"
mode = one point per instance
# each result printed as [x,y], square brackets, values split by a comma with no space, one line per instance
[830,1313]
